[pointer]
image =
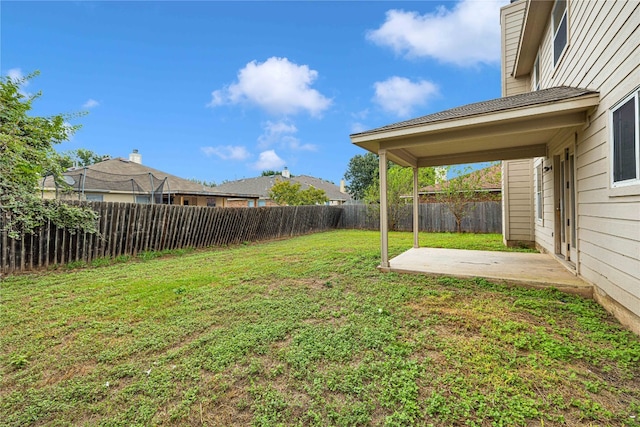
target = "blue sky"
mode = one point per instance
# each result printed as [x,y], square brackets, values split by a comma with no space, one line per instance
[223,90]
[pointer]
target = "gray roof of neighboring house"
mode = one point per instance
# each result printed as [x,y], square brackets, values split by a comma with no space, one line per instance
[124,175]
[262,185]
[528,99]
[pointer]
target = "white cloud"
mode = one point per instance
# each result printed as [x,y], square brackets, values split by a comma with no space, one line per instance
[360,115]
[281,134]
[269,160]
[274,132]
[91,103]
[466,35]
[276,85]
[16,74]
[399,95]
[358,127]
[227,152]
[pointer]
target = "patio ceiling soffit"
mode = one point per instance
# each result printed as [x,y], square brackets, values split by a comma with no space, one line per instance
[505,134]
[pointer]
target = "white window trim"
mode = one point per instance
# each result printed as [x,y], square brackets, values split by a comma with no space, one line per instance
[634,181]
[535,73]
[553,38]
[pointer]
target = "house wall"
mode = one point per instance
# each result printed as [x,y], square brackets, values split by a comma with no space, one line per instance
[129,198]
[603,54]
[517,203]
[511,21]
[50,194]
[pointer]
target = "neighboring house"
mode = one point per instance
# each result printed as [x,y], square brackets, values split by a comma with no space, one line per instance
[120,180]
[486,182]
[262,186]
[567,129]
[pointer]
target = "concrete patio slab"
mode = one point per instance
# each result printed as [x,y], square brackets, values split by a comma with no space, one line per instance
[525,269]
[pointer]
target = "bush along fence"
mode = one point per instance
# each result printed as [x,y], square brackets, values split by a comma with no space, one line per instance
[128,229]
[484,217]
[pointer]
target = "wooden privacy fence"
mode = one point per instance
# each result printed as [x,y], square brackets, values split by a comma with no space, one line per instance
[486,217]
[127,229]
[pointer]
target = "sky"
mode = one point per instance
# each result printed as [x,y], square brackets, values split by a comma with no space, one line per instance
[219,91]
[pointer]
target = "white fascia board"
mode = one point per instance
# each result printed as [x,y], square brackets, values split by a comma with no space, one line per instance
[523,113]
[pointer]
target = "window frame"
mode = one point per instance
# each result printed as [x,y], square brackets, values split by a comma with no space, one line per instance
[94,197]
[557,56]
[142,199]
[535,73]
[635,97]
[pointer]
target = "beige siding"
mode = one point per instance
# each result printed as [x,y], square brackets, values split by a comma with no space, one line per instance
[511,21]
[518,208]
[604,55]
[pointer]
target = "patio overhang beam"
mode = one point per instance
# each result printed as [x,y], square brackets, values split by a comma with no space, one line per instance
[525,152]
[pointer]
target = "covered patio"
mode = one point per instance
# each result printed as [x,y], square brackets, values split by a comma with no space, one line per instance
[508,128]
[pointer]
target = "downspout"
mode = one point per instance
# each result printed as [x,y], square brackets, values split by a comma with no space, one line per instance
[384,224]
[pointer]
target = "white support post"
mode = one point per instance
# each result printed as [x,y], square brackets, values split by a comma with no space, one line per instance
[384,224]
[416,209]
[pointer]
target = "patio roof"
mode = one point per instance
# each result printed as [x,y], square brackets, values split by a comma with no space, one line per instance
[512,127]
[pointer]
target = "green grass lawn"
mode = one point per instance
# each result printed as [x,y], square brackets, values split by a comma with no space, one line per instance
[306,332]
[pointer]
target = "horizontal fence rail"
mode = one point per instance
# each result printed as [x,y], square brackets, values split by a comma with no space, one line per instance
[129,228]
[484,217]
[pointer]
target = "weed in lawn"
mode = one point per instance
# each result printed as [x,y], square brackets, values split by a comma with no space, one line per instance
[75,265]
[18,361]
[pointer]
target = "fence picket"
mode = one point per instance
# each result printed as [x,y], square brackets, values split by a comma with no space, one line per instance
[127,229]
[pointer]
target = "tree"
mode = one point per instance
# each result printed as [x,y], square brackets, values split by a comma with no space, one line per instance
[26,156]
[289,193]
[461,193]
[80,157]
[361,174]
[399,189]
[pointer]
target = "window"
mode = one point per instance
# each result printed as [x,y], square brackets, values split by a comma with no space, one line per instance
[262,203]
[145,200]
[251,203]
[560,29]
[93,197]
[535,75]
[625,123]
[539,194]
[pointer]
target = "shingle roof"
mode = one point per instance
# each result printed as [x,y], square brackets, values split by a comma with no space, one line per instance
[262,184]
[123,175]
[544,96]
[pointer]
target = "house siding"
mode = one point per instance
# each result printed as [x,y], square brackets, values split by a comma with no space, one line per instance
[603,54]
[518,208]
[511,21]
